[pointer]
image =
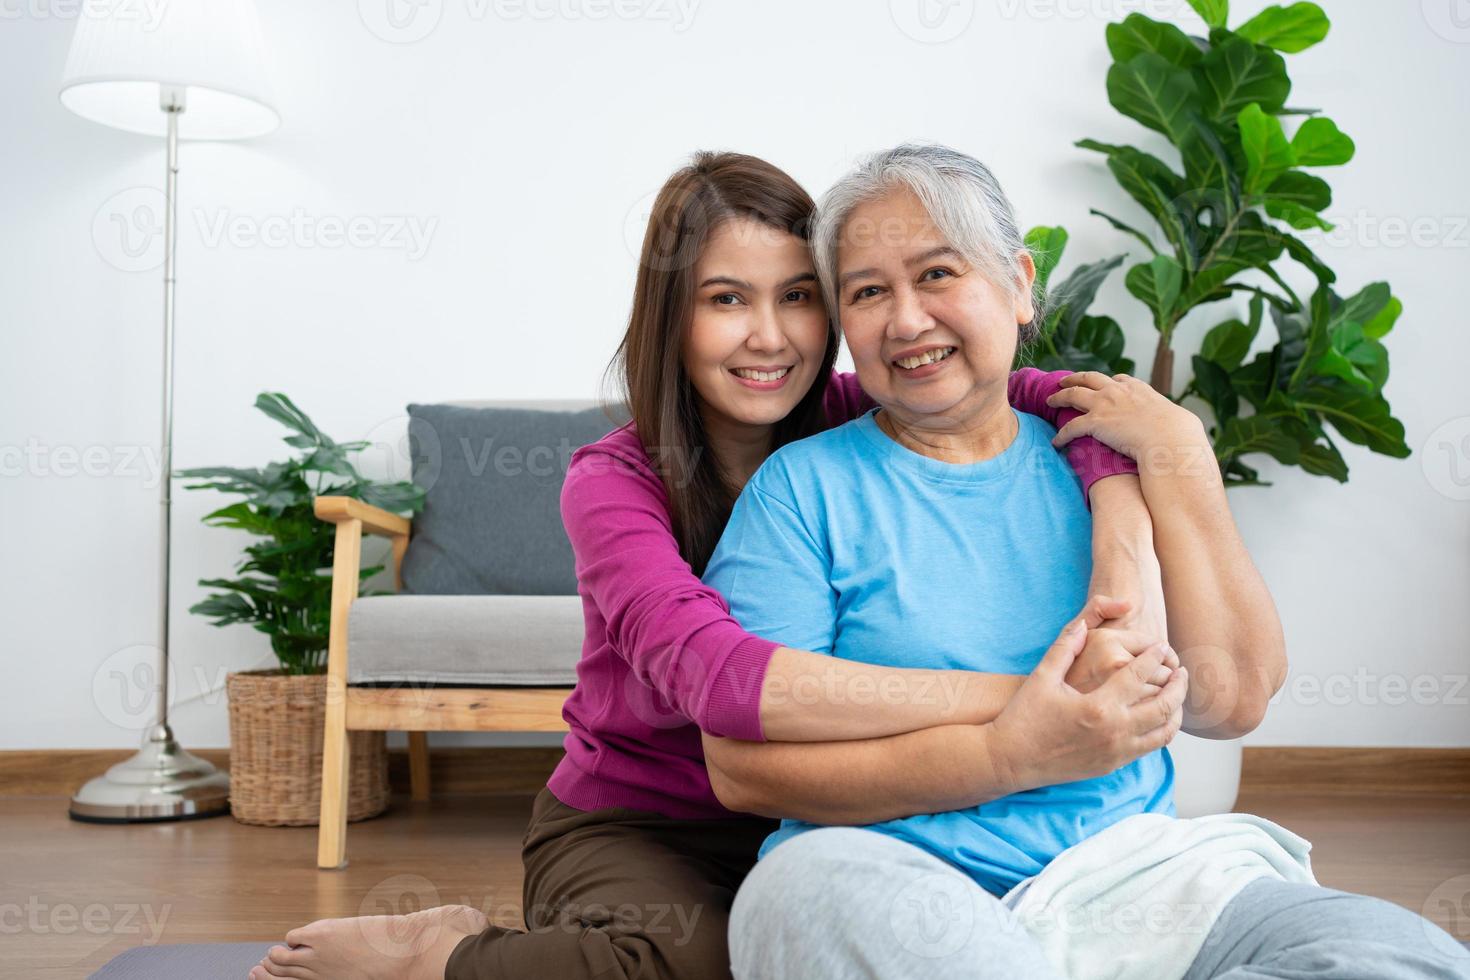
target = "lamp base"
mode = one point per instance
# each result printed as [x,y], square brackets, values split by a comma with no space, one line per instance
[161,782]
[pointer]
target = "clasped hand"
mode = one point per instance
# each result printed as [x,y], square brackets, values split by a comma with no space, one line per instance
[1100,698]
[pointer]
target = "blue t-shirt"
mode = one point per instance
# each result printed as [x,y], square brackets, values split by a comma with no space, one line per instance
[849,544]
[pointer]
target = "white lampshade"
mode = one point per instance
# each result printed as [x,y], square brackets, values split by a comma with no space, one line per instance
[122,56]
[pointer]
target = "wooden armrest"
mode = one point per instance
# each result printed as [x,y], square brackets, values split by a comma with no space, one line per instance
[375,520]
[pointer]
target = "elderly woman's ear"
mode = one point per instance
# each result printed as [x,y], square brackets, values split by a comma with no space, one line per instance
[1025,300]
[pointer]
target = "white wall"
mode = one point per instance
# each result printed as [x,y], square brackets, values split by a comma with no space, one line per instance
[522,148]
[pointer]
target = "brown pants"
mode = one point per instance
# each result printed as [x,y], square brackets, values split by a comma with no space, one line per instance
[619,893]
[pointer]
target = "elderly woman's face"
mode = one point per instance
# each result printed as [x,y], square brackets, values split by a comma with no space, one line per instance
[929,335]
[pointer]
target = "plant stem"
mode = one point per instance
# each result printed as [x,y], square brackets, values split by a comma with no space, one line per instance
[1162,377]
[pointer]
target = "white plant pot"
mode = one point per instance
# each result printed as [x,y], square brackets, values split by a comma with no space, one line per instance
[1206,774]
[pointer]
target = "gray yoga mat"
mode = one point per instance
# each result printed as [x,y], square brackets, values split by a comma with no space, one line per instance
[193,961]
[187,961]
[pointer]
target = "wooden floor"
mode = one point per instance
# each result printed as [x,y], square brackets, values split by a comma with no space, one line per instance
[74,895]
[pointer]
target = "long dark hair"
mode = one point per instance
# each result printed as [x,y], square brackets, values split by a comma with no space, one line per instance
[693,203]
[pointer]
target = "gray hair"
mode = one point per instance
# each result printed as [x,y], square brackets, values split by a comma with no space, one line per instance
[963,198]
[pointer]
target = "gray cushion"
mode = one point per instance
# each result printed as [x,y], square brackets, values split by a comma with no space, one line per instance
[531,641]
[491,523]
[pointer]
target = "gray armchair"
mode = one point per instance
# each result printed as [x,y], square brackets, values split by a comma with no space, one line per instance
[486,627]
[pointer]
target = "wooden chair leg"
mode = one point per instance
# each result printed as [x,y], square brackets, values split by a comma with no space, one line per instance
[418,764]
[331,841]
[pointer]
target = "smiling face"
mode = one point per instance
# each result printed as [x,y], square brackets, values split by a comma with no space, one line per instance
[932,339]
[758,332]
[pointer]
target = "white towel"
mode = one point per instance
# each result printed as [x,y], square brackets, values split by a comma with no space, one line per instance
[1136,901]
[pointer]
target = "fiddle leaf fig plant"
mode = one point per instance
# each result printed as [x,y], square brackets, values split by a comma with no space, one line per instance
[283,585]
[1224,214]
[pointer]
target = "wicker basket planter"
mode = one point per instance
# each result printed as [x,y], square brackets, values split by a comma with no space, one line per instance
[276,722]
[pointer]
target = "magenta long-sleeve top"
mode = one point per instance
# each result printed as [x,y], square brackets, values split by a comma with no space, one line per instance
[662,659]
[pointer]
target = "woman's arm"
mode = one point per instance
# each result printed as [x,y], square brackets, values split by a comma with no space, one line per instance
[1048,733]
[680,639]
[1221,617]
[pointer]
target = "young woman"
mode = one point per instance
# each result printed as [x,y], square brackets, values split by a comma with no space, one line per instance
[631,861]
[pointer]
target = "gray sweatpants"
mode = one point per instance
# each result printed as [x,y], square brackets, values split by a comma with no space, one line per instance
[846,903]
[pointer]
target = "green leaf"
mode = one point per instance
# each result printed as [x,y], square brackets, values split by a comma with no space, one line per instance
[1235,73]
[1382,323]
[1319,143]
[1248,243]
[226,608]
[1125,228]
[1157,284]
[283,410]
[394,497]
[1046,245]
[1366,304]
[1210,171]
[1137,34]
[1159,95]
[241,517]
[1103,338]
[1213,383]
[1355,357]
[1254,381]
[1267,153]
[1150,182]
[1362,417]
[1296,197]
[1289,29]
[1227,344]
[1300,188]
[1214,12]
[1075,294]
[1257,434]
[1323,460]
[1298,250]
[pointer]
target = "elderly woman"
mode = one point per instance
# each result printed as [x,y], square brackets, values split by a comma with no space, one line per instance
[943,524]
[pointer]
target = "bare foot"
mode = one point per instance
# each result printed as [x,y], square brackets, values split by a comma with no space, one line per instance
[373,947]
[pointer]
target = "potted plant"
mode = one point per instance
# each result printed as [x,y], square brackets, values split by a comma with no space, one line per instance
[1224,213]
[283,587]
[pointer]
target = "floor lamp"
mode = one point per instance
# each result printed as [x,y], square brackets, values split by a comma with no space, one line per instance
[191,70]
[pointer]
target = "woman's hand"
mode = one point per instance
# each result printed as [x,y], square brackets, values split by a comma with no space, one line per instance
[1050,733]
[1108,650]
[1128,415]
